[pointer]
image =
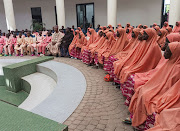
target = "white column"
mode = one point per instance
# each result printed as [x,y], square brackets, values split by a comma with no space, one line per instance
[174,13]
[112,12]
[9,13]
[60,8]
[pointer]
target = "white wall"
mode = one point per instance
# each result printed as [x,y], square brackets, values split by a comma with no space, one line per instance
[136,12]
[3,25]
[174,14]
[133,11]
[23,15]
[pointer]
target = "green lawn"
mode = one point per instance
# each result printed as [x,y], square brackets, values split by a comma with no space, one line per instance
[11,97]
[16,119]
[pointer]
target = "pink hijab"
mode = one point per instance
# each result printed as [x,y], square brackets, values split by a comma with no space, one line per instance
[177,28]
[92,36]
[74,41]
[167,25]
[120,44]
[152,51]
[106,46]
[129,34]
[144,100]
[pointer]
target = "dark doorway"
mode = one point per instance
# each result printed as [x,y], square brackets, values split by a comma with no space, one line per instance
[36,14]
[85,15]
[165,11]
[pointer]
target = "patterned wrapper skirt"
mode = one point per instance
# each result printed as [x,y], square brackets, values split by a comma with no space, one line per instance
[127,89]
[73,52]
[96,61]
[86,57]
[149,123]
[110,69]
[76,53]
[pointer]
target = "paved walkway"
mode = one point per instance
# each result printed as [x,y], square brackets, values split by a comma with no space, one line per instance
[102,108]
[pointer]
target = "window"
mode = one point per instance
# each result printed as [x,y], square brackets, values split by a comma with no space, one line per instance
[36,14]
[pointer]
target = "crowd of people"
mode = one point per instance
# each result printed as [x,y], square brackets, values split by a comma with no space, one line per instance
[143,62]
[39,43]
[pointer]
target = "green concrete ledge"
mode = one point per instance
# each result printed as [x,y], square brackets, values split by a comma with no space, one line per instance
[26,86]
[16,119]
[12,98]
[13,73]
[2,81]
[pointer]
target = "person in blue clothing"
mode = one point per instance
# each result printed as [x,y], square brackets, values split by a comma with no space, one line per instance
[98,27]
[73,28]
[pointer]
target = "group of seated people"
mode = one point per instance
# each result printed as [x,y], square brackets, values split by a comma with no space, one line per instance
[144,63]
[50,42]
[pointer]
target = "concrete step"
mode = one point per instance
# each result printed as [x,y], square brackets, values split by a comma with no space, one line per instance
[66,96]
[41,87]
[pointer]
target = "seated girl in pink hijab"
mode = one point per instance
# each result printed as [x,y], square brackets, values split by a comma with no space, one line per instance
[2,43]
[7,45]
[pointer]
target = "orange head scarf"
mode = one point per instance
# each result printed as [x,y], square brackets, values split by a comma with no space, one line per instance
[173,37]
[119,26]
[177,28]
[142,64]
[79,28]
[104,27]
[162,39]
[129,34]
[92,36]
[110,26]
[157,29]
[99,44]
[155,24]
[124,61]
[140,25]
[132,43]
[145,26]
[81,41]
[95,43]
[120,44]
[143,104]
[142,78]
[167,25]
[169,29]
[106,46]
[128,24]
[100,28]
[74,41]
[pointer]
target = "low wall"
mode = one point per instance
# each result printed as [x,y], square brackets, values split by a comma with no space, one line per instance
[13,73]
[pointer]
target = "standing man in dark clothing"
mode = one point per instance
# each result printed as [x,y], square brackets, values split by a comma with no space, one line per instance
[66,41]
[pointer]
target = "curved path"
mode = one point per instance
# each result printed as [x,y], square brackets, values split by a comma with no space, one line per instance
[102,108]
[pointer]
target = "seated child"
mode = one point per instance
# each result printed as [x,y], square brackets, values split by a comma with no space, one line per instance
[20,46]
[7,44]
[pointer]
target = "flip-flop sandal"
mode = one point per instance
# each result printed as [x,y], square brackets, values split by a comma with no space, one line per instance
[127,121]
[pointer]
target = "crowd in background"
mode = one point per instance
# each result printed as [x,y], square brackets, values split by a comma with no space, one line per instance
[143,62]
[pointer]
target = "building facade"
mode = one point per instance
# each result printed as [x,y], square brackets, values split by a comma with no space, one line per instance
[18,14]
